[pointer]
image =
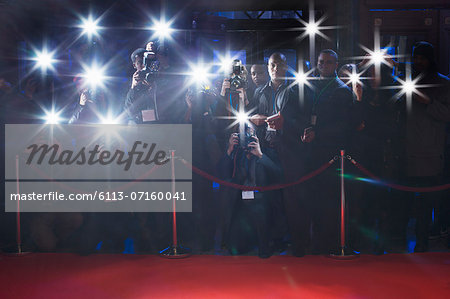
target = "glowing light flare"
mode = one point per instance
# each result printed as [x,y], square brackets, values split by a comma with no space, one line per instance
[162,28]
[94,76]
[200,74]
[44,59]
[377,57]
[355,78]
[242,117]
[109,120]
[52,117]
[409,87]
[312,28]
[90,26]
[226,64]
[302,78]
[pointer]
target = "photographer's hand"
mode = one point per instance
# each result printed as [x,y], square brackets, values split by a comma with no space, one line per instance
[308,135]
[258,119]
[232,142]
[255,149]
[83,99]
[225,85]
[276,122]
[188,99]
[135,80]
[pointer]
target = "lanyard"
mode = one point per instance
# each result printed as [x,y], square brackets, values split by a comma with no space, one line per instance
[316,99]
[231,104]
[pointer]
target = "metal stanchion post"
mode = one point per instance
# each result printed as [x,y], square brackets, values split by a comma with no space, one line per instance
[343,251]
[175,250]
[18,232]
[17,250]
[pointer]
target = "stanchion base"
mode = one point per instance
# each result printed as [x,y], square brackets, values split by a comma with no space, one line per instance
[178,252]
[343,253]
[13,251]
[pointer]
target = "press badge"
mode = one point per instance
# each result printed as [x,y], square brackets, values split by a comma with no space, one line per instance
[148,115]
[313,119]
[248,195]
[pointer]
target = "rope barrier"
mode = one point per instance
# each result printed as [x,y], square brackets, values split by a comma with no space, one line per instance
[396,186]
[255,188]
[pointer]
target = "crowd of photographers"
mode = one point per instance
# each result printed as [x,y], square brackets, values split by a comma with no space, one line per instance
[292,128]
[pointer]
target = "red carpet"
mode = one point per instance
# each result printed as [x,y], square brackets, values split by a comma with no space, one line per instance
[203,276]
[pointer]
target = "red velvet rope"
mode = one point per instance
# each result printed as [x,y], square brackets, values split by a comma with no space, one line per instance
[400,187]
[256,188]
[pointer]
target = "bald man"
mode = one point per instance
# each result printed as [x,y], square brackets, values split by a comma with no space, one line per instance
[280,119]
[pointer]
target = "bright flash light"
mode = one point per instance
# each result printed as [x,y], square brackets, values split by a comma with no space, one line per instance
[52,117]
[90,27]
[301,78]
[242,117]
[225,64]
[312,28]
[377,57]
[409,87]
[109,120]
[94,76]
[200,74]
[44,59]
[162,29]
[354,78]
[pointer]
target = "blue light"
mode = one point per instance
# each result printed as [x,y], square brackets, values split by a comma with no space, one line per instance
[129,246]
[411,245]
[99,245]
[215,185]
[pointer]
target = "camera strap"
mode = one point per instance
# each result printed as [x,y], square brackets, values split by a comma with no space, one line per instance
[231,104]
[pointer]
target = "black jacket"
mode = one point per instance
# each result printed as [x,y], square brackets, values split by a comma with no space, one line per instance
[331,102]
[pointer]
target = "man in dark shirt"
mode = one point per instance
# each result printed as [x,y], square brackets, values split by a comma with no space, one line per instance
[330,119]
[249,165]
[281,132]
[427,115]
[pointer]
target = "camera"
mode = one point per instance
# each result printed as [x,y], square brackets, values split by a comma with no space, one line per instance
[246,138]
[237,79]
[151,66]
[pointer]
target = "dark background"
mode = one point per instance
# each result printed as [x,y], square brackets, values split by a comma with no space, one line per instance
[219,24]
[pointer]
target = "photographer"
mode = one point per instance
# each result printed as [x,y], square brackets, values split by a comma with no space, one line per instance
[233,99]
[89,105]
[246,164]
[140,104]
[234,88]
[200,105]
